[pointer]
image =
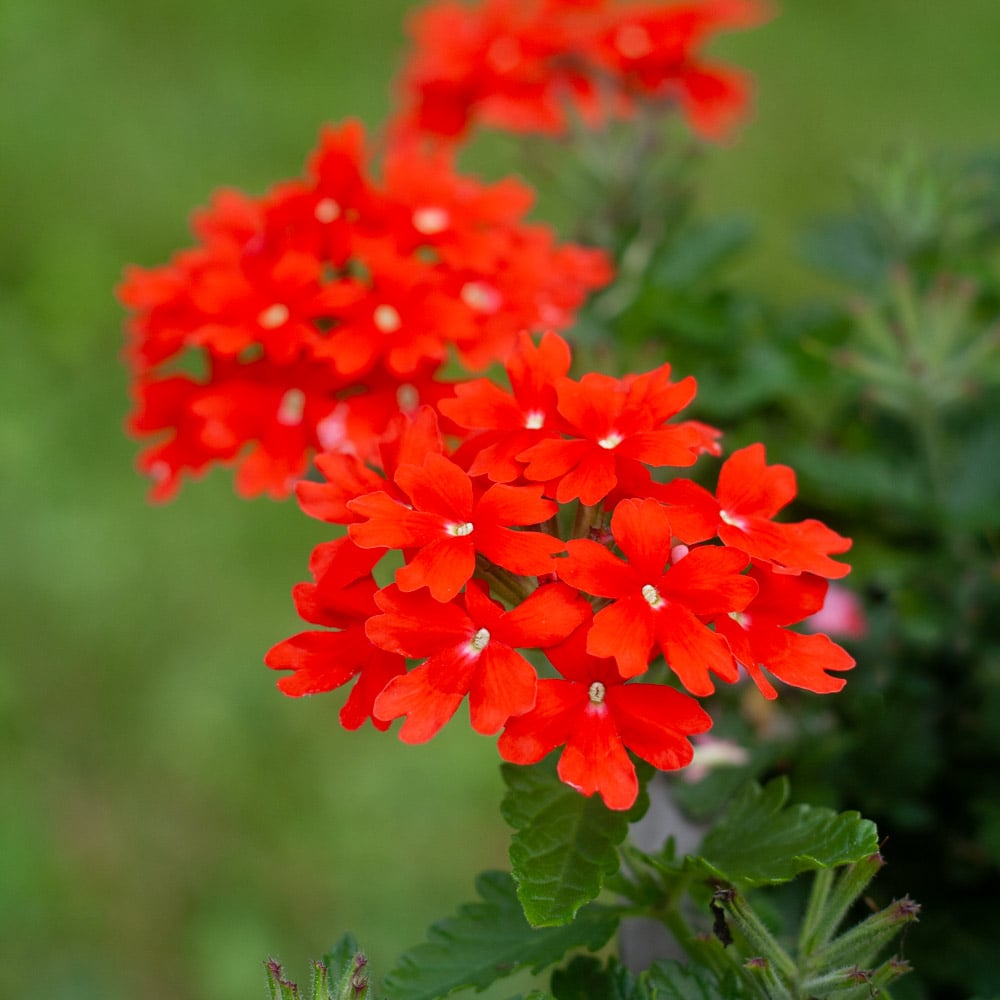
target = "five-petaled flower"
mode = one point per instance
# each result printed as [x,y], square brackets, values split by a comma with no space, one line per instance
[596,716]
[658,602]
[467,650]
[447,525]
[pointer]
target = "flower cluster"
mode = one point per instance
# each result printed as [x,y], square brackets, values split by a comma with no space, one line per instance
[535,65]
[537,532]
[306,319]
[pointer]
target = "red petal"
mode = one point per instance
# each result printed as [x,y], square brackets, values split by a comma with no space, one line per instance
[513,505]
[440,486]
[654,720]
[426,708]
[624,630]
[692,650]
[546,617]
[594,570]
[527,738]
[416,625]
[749,487]
[503,686]
[391,524]
[595,761]
[444,567]
[708,581]
[643,532]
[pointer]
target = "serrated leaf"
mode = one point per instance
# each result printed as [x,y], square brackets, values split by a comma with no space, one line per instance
[761,841]
[489,940]
[586,978]
[670,980]
[565,844]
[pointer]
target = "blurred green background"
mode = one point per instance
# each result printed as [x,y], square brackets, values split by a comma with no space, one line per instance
[167,818]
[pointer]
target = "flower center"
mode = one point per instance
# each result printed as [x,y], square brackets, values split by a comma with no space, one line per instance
[611,441]
[481,297]
[274,316]
[407,396]
[741,619]
[460,530]
[326,210]
[651,595]
[387,318]
[534,419]
[480,640]
[727,518]
[291,408]
[596,693]
[430,220]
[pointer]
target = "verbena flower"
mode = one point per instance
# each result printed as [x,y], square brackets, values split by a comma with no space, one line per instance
[305,320]
[606,572]
[529,66]
[596,716]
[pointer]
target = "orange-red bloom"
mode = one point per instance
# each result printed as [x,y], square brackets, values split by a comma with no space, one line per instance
[749,494]
[597,717]
[656,602]
[330,304]
[447,525]
[537,65]
[468,650]
[341,598]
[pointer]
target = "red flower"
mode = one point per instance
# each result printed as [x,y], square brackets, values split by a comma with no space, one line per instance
[512,421]
[655,603]
[652,51]
[750,493]
[449,525]
[342,598]
[407,442]
[617,424]
[538,65]
[759,639]
[470,651]
[365,287]
[598,717]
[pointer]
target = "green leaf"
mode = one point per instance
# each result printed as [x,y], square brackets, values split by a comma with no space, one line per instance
[704,249]
[489,940]
[565,844]
[673,981]
[761,841]
[585,978]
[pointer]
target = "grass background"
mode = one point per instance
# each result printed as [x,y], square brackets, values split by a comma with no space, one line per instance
[167,819]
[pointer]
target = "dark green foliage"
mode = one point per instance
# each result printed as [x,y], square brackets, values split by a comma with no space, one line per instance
[564,845]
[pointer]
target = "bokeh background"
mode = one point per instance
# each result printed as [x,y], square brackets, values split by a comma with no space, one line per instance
[167,818]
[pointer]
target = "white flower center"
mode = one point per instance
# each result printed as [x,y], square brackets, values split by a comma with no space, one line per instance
[727,518]
[407,397]
[274,316]
[651,595]
[633,41]
[534,419]
[480,640]
[431,220]
[596,693]
[481,297]
[326,210]
[611,441]
[291,408]
[460,530]
[387,318]
[741,619]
